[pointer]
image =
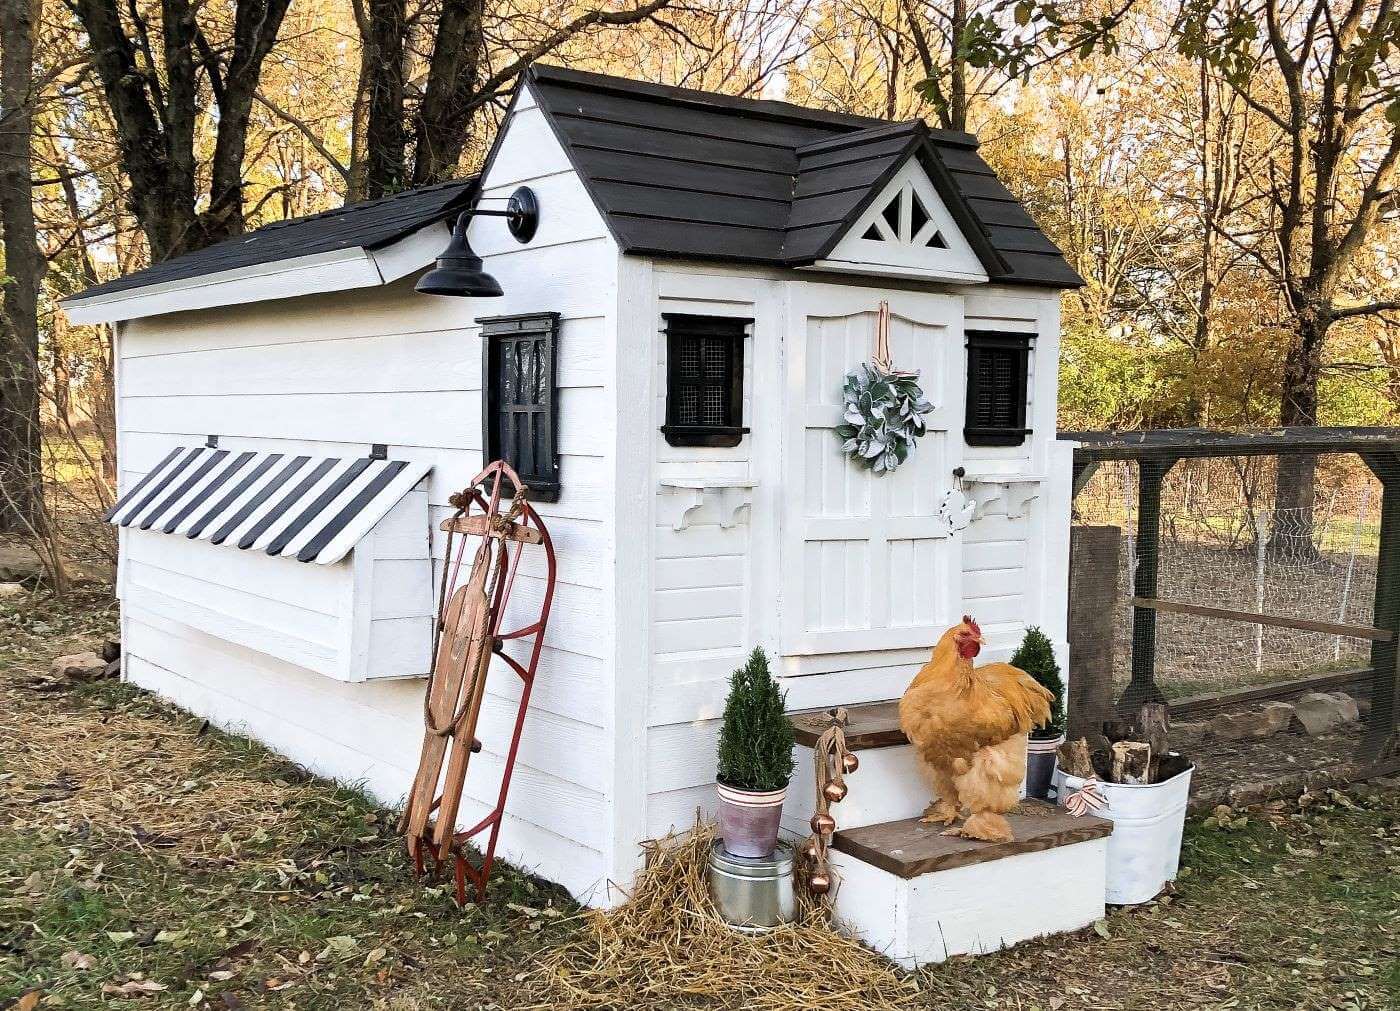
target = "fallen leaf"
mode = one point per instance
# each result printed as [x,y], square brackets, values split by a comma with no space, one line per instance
[170,936]
[375,956]
[243,921]
[28,1002]
[76,960]
[196,997]
[221,975]
[120,936]
[1101,928]
[133,988]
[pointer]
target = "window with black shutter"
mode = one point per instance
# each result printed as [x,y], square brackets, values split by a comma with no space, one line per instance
[997,364]
[520,405]
[704,380]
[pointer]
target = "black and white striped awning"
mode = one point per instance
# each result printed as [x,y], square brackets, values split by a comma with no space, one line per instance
[310,508]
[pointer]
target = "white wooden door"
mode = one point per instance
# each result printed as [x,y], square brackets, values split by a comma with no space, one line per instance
[868,564]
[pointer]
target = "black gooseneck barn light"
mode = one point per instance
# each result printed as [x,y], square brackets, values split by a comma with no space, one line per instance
[459,270]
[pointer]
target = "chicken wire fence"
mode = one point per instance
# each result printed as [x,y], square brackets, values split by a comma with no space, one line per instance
[1168,617]
[1217,548]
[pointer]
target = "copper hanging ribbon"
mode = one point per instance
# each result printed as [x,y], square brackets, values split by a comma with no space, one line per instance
[1086,799]
[881,358]
[833,761]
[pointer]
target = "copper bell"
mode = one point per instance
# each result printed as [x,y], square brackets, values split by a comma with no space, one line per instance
[819,883]
[849,762]
[823,824]
[835,792]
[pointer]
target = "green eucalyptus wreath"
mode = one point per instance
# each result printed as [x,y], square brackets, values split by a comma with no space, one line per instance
[883,416]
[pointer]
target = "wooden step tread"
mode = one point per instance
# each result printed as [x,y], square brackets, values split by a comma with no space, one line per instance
[910,848]
[872,725]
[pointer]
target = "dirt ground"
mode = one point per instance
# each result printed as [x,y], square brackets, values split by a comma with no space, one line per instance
[147,861]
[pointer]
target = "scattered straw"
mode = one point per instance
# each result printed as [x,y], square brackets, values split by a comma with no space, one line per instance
[666,947]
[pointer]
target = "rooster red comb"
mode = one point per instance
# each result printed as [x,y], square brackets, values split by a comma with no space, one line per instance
[976,628]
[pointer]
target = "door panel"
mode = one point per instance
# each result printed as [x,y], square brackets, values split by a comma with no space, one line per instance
[867,563]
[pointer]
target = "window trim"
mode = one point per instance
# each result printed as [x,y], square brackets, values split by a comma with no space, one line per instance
[542,487]
[679,325]
[1020,343]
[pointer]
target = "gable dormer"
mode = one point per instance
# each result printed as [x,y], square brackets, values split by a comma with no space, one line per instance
[906,230]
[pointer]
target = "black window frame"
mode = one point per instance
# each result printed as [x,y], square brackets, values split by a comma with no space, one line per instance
[1008,429]
[680,326]
[497,331]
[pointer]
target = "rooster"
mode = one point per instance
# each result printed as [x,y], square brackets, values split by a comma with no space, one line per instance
[969,725]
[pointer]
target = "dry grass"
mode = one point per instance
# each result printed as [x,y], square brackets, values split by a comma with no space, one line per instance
[666,948]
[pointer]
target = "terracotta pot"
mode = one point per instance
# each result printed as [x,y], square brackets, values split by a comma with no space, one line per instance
[748,821]
[1040,765]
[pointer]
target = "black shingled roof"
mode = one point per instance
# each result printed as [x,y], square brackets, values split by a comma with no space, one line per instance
[368,225]
[693,174]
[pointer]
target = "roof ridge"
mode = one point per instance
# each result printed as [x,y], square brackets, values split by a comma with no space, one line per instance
[855,138]
[766,107]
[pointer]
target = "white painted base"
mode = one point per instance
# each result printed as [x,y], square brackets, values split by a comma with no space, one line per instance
[970,910]
[888,786]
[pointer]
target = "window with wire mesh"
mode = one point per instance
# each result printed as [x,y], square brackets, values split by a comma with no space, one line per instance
[997,366]
[520,410]
[704,380]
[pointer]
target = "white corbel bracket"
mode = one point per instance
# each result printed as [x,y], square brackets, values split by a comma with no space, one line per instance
[683,496]
[1015,491]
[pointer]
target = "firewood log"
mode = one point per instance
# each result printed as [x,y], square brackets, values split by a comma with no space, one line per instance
[1074,758]
[1131,760]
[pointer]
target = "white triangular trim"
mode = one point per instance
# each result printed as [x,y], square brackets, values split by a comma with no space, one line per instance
[904,251]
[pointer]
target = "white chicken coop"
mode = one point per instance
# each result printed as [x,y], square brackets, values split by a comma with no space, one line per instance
[665,369]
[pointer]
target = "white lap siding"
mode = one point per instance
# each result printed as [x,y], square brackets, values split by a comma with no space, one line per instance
[330,375]
[707,607]
[1015,570]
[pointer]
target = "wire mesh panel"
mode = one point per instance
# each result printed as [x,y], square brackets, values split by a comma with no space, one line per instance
[1177,558]
[1216,549]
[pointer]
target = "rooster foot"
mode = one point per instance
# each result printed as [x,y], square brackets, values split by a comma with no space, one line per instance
[984,826]
[940,812]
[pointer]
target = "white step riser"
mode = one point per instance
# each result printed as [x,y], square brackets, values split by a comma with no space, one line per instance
[888,786]
[970,910]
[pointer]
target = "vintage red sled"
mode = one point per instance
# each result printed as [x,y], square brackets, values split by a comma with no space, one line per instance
[469,632]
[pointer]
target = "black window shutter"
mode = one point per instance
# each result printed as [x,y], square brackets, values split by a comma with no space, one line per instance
[704,380]
[520,402]
[997,367]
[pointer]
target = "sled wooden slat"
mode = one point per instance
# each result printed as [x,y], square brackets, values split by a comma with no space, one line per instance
[480,526]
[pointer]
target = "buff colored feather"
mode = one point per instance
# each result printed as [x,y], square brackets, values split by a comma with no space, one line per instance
[968,725]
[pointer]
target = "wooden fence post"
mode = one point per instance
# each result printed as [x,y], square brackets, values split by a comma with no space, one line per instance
[1093,608]
[1143,687]
[1380,737]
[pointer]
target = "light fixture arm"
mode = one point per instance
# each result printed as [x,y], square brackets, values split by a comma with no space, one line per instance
[522,213]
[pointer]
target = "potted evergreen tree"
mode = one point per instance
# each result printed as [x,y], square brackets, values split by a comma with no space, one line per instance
[1036,657]
[755,760]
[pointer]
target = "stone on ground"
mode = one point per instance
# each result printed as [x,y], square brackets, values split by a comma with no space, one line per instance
[1273,718]
[79,667]
[18,561]
[1318,712]
[9,591]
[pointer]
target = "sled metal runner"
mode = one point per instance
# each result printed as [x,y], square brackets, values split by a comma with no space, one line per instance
[488,543]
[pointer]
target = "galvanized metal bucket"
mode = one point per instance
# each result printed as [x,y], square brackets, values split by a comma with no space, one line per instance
[753,894]
[1144,850]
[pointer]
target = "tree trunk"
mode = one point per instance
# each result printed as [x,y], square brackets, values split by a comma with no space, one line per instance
[444,118]
[957,69]
[385,137]
[1291,533]
[21,488]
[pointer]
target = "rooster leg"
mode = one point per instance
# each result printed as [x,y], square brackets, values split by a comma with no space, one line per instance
[946,809]
[988,826]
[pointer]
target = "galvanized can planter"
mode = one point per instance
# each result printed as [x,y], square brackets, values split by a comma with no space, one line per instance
[753,894]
